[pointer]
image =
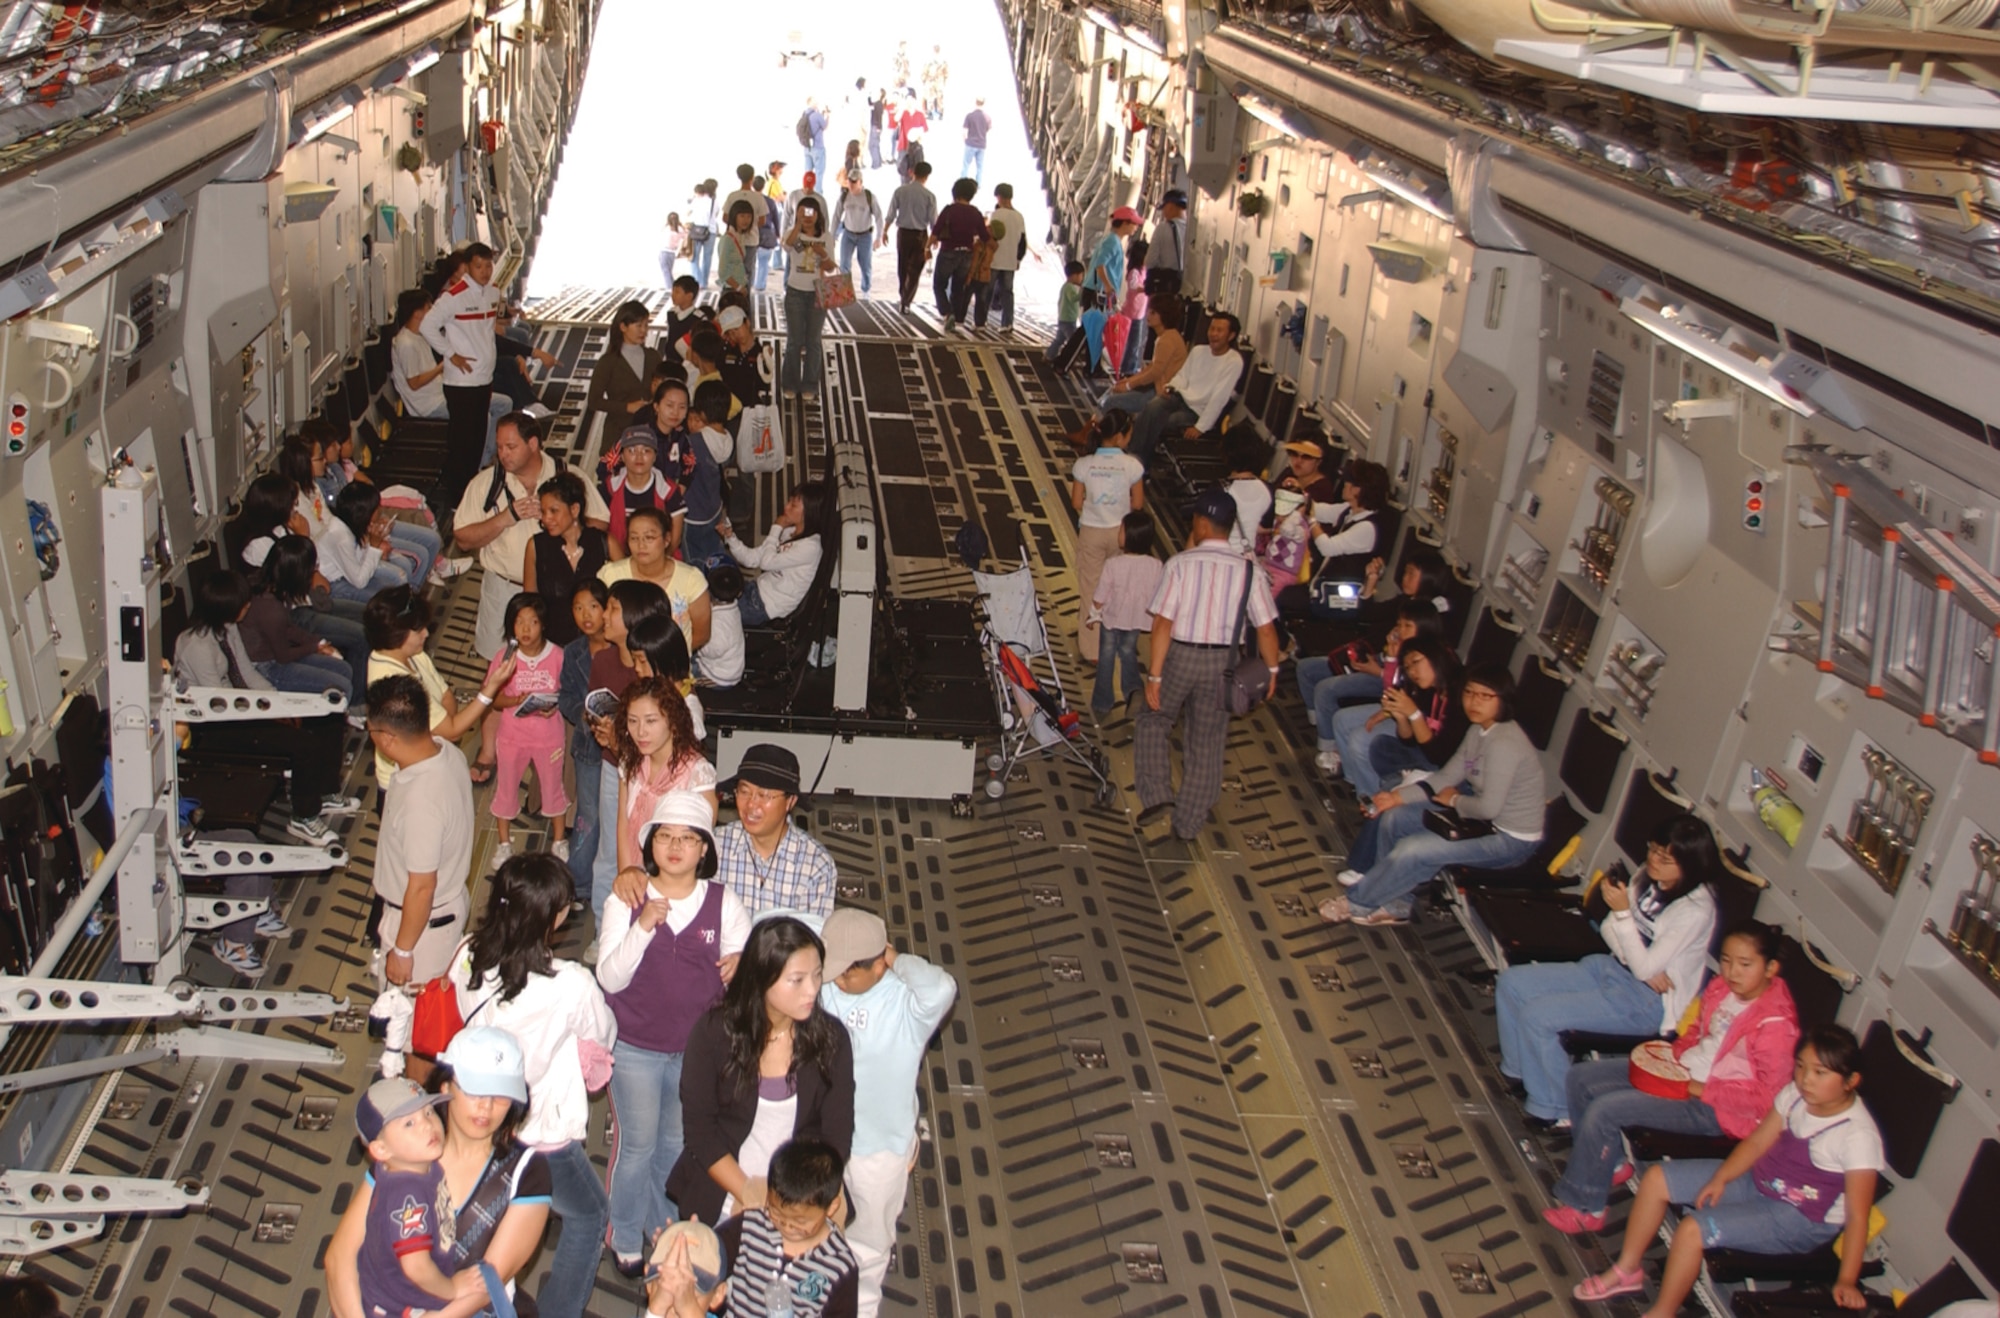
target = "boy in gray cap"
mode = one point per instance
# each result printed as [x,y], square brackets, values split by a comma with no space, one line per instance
[891,1003]
[409,1225]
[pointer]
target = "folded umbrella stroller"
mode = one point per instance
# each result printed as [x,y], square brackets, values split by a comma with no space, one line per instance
[1035,717]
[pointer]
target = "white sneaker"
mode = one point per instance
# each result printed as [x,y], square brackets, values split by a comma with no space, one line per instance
[560,848]
[312,831]
[444,569]
[239,957]
[502,854]
[1328,761]
[1348,878]
[271,925]
[340,805]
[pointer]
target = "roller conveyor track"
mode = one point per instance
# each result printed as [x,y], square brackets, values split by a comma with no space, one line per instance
[1168,1087]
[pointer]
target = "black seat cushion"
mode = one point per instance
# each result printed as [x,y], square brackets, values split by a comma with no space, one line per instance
[1649,1145]
[1587,1043]
[1803,1302]
[1729,1267]
[1905,1099]
[1561,822]
[1527,929]
[1970,1225]
[1948,1285]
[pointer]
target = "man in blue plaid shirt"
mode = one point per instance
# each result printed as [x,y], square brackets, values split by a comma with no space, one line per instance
[771,866]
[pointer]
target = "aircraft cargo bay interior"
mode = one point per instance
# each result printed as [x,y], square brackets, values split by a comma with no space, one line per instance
[1236,657]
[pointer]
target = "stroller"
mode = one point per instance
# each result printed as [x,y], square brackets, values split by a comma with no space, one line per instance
[1035,718]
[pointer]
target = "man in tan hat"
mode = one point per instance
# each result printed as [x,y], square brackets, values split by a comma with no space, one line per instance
[891,1003]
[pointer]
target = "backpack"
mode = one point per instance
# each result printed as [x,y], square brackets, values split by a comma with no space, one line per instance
[805,129]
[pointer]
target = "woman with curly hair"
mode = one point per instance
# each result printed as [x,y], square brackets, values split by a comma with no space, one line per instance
[767,1066]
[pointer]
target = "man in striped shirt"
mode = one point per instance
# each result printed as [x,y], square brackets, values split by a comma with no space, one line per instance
[1206,592]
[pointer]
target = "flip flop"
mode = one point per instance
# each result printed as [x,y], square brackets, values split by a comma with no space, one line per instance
[1334,910]
[1381,919]
[1595,1289]
[481,772]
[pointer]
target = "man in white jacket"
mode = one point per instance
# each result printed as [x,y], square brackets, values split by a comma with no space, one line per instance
[1194,401]
[460,327]
[891,1004]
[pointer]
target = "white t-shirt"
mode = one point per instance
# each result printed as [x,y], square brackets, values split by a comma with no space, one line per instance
[1253,500]
[721,659]
[1700,1059]
[1006,225]
[1844,1142]
[1107,477]
[410,355]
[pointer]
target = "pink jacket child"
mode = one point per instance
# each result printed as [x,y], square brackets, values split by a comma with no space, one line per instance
[1755,1060]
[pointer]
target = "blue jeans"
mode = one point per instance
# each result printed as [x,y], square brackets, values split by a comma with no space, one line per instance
[346,635]
[1604,1106]
[1323,691]
[387,574]
[1064,328]
[583,836]
[646,1101]
[577,1195]
[417,539]
[1535,1003]
[1389,758]
[750,606]
[1410,855]
[1115,649]
[859,246]
[950,282]
[604,866]
[1164,416]
[816,161]
[703,259]
[763,268]
[874,147]
[997,293]
[974,165]
[700,545]
[310,675]
[1745,1218]
[1353,738]
[803,321]
[667,260]
[1134,401]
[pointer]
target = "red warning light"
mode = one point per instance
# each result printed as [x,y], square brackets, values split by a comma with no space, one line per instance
[1755,487]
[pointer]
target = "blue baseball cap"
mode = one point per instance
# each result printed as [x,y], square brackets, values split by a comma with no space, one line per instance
[1217,505]
[486,1062]
[387,1101]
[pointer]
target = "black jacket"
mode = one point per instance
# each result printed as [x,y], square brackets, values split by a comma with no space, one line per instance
[717,1116]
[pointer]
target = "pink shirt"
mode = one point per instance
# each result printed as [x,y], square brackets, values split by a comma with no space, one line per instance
[645,789]
[1125,591]
[543,673]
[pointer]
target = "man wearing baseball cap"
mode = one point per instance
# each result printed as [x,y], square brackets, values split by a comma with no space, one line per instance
[1104,268]
[771,866]
[891,1002]
[1195,611]
[1304,458]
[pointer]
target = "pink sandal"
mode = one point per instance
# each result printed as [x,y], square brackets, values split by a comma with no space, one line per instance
[1594,1289]
[1573,1222]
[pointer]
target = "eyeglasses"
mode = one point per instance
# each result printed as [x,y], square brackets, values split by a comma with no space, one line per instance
[757,795]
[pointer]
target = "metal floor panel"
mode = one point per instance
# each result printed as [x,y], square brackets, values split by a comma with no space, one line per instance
[1167,1088]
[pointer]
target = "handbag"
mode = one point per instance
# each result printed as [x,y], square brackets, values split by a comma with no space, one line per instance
[1337,595]
[699,233]
[760,439]
[835,291]
[1248,682]
[434,1018]
[1448,824]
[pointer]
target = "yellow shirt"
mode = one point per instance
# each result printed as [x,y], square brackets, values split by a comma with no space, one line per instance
[420,667]
[683,587]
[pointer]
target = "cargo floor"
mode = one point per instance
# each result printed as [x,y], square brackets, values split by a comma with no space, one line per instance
[1167,1087]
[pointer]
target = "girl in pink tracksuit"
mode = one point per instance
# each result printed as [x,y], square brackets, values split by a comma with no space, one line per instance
[1738,1049]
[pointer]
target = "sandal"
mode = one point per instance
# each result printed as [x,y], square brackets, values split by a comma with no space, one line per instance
[1381,919]
[1335,910]
[1610,1285]
[481,772]
[1573,1221]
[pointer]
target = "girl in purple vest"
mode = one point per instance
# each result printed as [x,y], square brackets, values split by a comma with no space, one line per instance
[1804,1176]
[661,966]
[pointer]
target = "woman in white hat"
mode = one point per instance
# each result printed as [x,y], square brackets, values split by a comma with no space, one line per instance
[662,965]
[498,1185]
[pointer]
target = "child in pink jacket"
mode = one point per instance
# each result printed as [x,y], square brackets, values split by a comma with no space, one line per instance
[1738,1050]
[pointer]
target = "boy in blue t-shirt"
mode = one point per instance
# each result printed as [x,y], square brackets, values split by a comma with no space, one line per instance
[408,1226]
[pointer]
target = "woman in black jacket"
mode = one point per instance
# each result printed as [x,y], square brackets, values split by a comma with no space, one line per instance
[767,1066]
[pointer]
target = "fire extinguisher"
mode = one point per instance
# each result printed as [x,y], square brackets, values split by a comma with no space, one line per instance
[490,133]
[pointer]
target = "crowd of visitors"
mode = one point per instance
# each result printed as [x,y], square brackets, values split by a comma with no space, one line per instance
[757,1046]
